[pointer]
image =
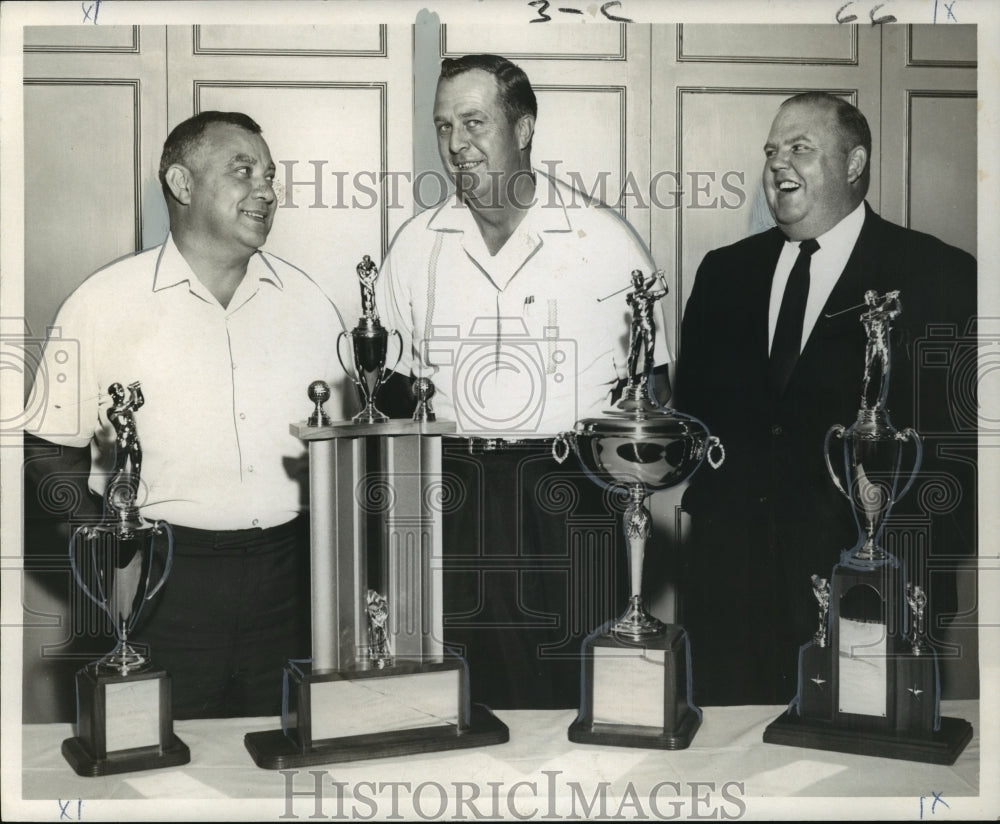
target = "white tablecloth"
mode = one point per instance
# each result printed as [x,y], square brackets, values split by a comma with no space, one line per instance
[539,774]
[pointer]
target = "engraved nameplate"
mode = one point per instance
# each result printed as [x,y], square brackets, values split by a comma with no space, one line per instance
[132,717]
[388,702]
[628,686]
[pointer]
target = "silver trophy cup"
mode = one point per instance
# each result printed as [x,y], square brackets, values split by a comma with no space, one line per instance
[369,346]
[642,447]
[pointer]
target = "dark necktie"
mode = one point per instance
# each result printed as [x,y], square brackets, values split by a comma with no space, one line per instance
[787,341]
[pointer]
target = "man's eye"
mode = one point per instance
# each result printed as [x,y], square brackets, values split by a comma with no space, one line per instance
[243,170]
[769,153]
[800,147]
[472,124]
[443,128]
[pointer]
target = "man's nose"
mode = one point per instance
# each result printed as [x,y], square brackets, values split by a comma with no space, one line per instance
[778,160]
[458,140]
[265,190]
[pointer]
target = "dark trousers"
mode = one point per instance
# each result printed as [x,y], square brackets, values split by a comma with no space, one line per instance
[234,609]
[534,561]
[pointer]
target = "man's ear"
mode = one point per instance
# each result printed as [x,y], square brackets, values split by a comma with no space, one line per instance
[525,129]
[178,180]
[857,159]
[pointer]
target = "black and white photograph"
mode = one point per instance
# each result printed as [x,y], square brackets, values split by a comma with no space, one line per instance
[499,410]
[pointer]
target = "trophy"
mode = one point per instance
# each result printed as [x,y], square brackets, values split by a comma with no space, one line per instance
[636,689]
[868,679]
[124,719]
[369,340]
[379,682]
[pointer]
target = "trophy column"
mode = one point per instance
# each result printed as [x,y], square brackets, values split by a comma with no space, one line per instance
[380,682]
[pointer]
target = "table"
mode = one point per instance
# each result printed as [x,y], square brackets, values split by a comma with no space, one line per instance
[727,772]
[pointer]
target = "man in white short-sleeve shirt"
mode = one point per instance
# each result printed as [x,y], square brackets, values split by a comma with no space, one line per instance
[510,297]
[223,340]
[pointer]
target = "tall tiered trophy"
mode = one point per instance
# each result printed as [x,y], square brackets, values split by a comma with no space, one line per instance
[636,689]
[868,679]
[124,718]
[379,682]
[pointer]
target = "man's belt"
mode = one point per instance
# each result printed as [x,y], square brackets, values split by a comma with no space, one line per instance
[482,446]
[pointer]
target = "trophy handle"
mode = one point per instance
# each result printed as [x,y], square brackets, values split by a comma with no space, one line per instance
[343,366]
[910,435]
[837,430]
[715,459]
[102,603]
[386,370]
[561,446]
[161,526]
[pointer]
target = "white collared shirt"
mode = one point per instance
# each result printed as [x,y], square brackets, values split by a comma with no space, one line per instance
[825,267]
[518,344]
[221,385]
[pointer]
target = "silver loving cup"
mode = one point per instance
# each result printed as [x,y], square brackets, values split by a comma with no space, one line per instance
[122,577]
[872,459]
[643,452]
[120,552]
[872,448]
[369,344]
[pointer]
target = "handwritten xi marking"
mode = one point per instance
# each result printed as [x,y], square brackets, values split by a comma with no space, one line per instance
[94,7]
[64,809]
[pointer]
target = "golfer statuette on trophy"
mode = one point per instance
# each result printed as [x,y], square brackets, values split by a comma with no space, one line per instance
[379,682]
[868,679]
[637,677]
[369,346]
[124,719]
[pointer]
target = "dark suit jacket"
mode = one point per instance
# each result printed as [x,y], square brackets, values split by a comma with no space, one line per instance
[772,506]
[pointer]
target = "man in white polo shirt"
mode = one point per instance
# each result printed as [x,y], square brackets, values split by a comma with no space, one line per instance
[499,294]
[223,340]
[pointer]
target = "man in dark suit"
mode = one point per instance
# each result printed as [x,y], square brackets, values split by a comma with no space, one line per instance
[770,380]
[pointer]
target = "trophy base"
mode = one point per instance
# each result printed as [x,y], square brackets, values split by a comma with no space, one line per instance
[404,708]
[941,747]
[75,750]
[635,694]
[124,724]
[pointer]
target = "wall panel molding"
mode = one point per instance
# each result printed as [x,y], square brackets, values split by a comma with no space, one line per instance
[200,46]
[617,52]
[740,54]
[134,85]
[81,40]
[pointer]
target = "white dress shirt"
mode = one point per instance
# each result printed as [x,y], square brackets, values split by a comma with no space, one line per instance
[221,385]
[825,267]
[518,344]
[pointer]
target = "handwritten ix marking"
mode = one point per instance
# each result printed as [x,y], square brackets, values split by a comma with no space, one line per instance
[937,798]
[544,17]
[948,8]
[64,811]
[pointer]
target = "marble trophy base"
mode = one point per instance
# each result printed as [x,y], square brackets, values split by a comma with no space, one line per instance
[124,723]
[404,708]
[635,693]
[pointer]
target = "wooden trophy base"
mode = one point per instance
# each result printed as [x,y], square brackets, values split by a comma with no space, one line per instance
[124,723]
[635,693]
[405,708]
[941,747]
